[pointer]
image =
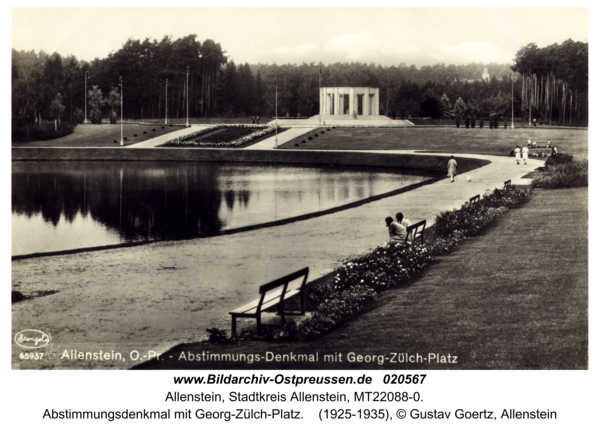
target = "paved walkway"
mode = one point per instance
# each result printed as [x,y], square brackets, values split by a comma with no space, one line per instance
[155,296]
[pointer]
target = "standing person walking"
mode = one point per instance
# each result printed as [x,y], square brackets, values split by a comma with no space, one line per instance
[452,165]
[518,154]
[524,154]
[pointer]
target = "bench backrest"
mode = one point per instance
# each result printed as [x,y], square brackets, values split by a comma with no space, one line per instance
[506,183]
[474,199]
[284,282]
[415,231]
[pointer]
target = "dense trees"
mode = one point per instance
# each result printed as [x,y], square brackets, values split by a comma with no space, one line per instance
[555,84]
[550,84]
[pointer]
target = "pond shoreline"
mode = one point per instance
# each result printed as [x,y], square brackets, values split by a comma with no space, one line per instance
[429,162]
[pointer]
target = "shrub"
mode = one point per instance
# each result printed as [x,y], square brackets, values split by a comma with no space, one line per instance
[467,122]
[43,131]
[509,197]
[96,116]
[473,122]
[113,117]
[471,219]
[457,122]
[480,123]
[339,306]
[443,245]
[557,159]
[564,175]
[78,116]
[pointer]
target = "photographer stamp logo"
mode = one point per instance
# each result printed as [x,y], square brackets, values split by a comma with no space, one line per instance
[32,339]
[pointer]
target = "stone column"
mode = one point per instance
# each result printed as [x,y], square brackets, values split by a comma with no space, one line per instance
[351,101]
[377,101]
[367,102]
[320,101]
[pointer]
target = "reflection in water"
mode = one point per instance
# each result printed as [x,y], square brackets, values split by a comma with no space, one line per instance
[68,205]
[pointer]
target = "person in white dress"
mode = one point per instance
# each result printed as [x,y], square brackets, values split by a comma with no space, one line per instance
[524,154]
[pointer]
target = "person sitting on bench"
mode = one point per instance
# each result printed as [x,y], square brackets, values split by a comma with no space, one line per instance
[404,222]
[396,230]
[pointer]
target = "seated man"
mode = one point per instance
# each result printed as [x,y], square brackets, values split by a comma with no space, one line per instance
[404,222]
[396,230]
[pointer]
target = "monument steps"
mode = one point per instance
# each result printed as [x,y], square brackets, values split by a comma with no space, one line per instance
[343,121]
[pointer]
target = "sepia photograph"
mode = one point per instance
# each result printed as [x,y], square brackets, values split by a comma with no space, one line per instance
[317,188]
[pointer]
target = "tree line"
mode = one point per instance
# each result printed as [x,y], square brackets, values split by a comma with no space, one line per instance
[186,76]
[555,81]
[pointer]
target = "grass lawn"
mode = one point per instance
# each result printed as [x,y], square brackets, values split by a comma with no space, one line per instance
[102,135]
[444,139]
[515,297]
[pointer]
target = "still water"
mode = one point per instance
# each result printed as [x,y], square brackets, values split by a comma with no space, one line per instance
[68,205]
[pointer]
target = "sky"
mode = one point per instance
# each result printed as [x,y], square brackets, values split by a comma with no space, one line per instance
[387,36]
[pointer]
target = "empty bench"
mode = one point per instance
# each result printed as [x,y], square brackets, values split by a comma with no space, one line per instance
[474,199]
[415,232]
[507,184]
[275,293]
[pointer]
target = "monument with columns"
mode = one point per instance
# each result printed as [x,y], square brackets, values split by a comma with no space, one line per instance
[352,102]
[346,107]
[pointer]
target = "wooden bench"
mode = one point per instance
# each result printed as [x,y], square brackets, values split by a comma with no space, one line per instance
[507,184]
[414,232]
[275,293]
[474,199]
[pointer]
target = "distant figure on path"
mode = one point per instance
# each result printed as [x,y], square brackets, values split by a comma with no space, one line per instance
[525,154]
[518,154]
[397,231]
[452,165]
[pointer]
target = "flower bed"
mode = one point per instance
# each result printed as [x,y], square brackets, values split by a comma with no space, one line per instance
[357,282]
[187,140]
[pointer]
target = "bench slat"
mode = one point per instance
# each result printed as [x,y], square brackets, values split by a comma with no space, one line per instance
[269,300]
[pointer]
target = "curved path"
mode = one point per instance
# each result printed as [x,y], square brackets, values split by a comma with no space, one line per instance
[155,296]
